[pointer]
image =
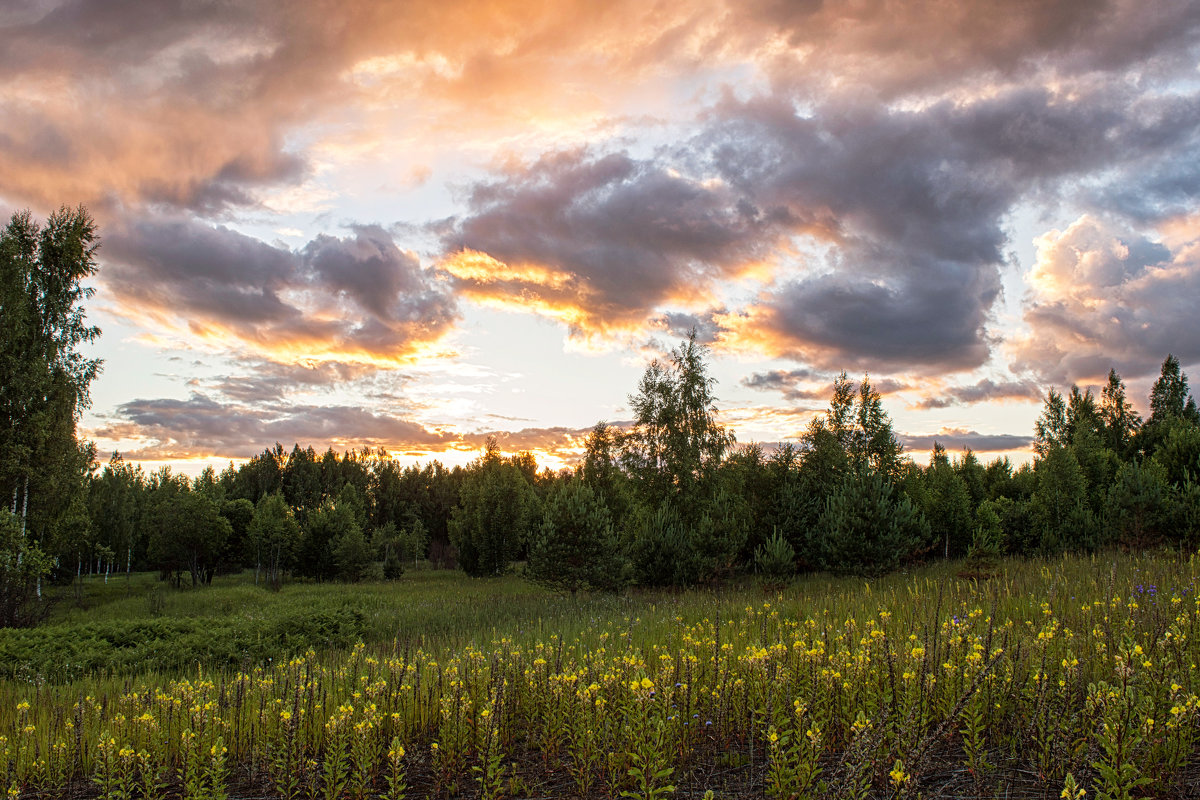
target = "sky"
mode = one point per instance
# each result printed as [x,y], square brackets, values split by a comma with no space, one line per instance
[412,226]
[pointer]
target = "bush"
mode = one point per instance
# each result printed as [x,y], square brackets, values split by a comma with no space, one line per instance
[867,529]
[775,560]
[659,550]
[987,543]
[575,547]
[63,653]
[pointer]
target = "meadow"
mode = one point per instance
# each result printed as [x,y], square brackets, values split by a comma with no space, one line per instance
[1052,679]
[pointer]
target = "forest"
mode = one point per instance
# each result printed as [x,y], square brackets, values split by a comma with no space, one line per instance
[665,499]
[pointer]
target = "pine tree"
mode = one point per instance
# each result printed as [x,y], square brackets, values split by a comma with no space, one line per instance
[867,528]
[1137,505]
[1051,428]
[575,547]
[1120,422]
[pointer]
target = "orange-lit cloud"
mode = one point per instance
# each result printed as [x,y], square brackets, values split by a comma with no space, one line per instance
[354,299]
[829,185]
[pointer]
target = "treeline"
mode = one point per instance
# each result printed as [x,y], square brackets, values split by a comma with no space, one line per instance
[669,500]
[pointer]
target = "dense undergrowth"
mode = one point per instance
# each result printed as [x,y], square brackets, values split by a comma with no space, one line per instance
[1079,672]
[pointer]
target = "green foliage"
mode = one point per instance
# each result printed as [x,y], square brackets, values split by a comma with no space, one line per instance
[718,532]
[44,378]
[855,433]
[187,531]
[1185,511]
[659,549]
[987,542]
[867,529]
[575,547]
[274,537]
[601,468]
[1120,422]
[1170,405]
[947,506]
[491,525]
[326,527]
[775,559]
[22,565]
[1061,519]
[239,513]
[1051,428]
[60,653]
[1179,453]
[676,440]
[1137,506]
[352,554]
[114,499]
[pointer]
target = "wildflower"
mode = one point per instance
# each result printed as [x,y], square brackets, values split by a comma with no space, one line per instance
[898,775]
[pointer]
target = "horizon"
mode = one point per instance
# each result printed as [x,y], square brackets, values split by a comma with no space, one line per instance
[415,231]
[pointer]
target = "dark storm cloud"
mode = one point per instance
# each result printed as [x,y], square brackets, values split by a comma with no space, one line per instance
[954,439]
[358,296]
[984,391]
[201,426]
[911,205]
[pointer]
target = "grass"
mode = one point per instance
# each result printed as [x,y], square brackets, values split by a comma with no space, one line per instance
[1080,670]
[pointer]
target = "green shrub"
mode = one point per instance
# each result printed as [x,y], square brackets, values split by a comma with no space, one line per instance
[867,528]
[575,547]
[775,560]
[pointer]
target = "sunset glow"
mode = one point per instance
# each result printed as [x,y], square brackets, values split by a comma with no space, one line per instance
[410,228]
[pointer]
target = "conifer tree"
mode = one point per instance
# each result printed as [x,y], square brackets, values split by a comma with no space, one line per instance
[1120,422]
[575,547]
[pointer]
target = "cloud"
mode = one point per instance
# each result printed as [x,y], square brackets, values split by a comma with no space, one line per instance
[911,208]
[353,299]
[785,382]
[269,382]
[202,105]
[983,391]
[200,426]
[115,103]
[960,439]
[600,242]
[901,48]
[1104,296]
[563,442]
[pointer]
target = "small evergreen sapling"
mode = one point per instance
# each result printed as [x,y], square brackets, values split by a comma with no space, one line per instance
[575,547]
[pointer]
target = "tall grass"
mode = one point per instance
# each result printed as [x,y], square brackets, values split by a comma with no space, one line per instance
[1078,672]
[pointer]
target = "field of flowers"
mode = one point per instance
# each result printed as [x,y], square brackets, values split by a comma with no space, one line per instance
[1051,680]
